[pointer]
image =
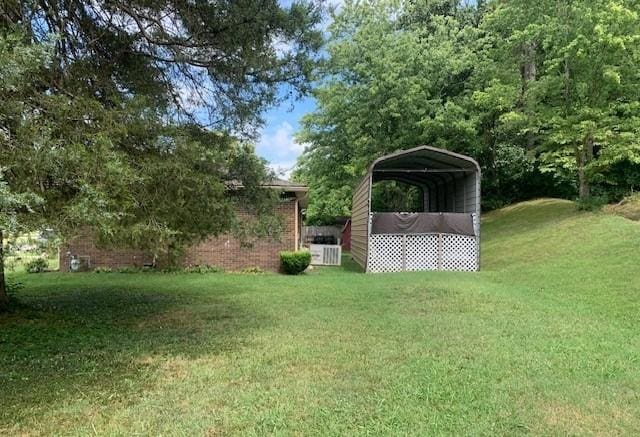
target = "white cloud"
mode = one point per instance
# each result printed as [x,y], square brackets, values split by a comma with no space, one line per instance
[280,143]
[280,148]
[283,169]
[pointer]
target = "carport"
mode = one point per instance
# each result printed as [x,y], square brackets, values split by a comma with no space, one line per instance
[445,235]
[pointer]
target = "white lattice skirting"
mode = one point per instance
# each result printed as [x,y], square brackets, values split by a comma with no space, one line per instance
[396,253]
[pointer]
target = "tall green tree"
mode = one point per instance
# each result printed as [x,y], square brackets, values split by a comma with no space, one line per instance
[544,95]
[19,65]
[70,163]
[578,94]
[118,116]
[391,81]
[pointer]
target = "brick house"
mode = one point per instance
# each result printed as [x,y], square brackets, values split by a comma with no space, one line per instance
[223,251]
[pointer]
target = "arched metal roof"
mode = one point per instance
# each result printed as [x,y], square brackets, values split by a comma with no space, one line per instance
[423,165]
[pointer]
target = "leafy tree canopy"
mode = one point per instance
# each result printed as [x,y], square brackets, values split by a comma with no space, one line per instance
[544,96]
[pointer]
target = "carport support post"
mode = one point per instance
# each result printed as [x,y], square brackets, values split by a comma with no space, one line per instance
[439,251]
[404,252]
[425,198]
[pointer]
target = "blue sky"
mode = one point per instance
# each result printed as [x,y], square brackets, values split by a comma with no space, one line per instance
[277,143]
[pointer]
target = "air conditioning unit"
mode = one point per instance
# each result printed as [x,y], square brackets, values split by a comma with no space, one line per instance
[326,254]
[80,263]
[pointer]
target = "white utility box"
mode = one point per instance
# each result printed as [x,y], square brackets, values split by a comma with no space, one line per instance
[325,254]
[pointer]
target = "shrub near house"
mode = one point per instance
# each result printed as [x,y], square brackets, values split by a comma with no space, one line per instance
[36,265]
[294,263]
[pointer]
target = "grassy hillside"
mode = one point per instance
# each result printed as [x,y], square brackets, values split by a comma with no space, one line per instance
[588,258]
[543,341]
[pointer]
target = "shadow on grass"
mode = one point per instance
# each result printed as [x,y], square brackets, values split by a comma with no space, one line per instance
[100,340]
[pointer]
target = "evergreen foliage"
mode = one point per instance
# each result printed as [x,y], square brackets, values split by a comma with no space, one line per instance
[123,117]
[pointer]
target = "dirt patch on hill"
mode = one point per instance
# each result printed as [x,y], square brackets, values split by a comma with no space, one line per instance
[629,207]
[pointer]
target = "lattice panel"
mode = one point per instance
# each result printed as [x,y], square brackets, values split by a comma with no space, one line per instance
[396,253]
[421,252]
[459,252]
[386,253]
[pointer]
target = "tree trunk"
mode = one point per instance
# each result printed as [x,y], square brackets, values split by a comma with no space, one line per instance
[528,74]
[585,155]
[4,297]
[584,190]
[528,69]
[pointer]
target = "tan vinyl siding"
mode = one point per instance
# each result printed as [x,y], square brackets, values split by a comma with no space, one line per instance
[360,222]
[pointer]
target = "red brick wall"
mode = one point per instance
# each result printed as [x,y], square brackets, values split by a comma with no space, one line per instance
[223,251]
[84,246]
[226,252]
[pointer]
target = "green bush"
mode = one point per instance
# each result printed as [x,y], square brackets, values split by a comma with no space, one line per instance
[13,286]
[102,270]
[37,265]
[204,268]
[592,203]
[294,263]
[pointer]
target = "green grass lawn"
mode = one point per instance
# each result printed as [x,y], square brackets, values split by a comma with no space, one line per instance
[544,341]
